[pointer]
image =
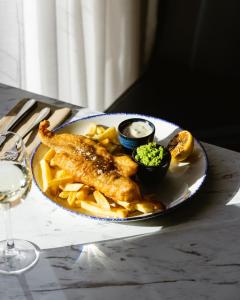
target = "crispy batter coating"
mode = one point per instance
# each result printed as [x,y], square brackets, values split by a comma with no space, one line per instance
[91,164]
[110,183]
[125,165]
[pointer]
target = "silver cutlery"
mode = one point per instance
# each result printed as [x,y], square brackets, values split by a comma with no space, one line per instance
[41,116]
[27,107]
[13,153]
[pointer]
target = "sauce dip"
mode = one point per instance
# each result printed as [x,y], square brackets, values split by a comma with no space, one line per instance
[137,129]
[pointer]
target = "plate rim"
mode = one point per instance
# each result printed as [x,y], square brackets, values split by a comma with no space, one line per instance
[134,218]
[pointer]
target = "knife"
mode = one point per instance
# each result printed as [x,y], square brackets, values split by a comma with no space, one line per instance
[41,116]
[27,107]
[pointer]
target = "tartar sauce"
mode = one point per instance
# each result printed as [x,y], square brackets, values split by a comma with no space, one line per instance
[137,129]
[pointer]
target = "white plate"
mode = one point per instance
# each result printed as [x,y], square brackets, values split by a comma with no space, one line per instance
[180,183]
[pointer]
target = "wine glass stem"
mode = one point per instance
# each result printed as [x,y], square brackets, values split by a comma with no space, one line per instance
[9,248]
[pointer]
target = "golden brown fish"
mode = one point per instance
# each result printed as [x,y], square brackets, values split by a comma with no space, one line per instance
[91,164]
[76,144]
[125,165]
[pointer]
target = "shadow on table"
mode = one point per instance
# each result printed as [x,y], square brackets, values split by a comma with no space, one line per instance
[211,201]
[67,272]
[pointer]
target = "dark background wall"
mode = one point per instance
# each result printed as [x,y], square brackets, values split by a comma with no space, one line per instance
[201,35]
[194,76]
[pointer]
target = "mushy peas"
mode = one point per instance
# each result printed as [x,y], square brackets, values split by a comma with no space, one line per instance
[150,154]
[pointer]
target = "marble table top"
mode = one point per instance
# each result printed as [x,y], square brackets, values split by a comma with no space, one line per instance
[195,255]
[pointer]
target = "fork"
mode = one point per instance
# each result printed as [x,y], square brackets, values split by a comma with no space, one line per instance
[13,153]
[27,107]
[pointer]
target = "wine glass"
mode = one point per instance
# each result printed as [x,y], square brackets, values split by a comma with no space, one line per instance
[15,182]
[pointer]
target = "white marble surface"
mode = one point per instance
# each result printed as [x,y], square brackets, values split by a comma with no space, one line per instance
[195,255]
[53,227]
[9,96]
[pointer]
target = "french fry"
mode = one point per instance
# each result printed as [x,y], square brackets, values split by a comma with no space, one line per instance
[128,205]
[71,198]
[64,194]
[86,198]
[109,133]
[145,206]
[120,212]
[72,187]
[100,130]
[106,136]
[84,193]
[101,200]
[92,129]
[105,141]
[61,173]
[49,155]
[157,205]
[46,174]
[59,181]
[95,209]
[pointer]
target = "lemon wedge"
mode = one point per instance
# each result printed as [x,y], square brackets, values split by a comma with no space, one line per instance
[181,145]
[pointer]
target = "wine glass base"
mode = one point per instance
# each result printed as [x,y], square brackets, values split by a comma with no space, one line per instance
[17,260]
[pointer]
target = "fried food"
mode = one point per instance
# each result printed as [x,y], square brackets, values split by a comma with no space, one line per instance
[46,174]
[125,165]
[90,163]
[101,200]
[93,207]
[80,146]
[64,188]
[103,178]
[72,144]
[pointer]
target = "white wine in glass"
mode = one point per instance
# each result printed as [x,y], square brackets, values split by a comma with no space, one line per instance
[16,255]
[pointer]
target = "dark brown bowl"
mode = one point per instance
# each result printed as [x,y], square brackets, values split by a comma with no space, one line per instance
[152,174]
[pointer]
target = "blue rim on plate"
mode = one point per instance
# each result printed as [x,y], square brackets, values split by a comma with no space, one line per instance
[132,218]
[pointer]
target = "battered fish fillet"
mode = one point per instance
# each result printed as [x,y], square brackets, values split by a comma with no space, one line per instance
[89,163]
[110,183]
[125,165]
[77,144]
